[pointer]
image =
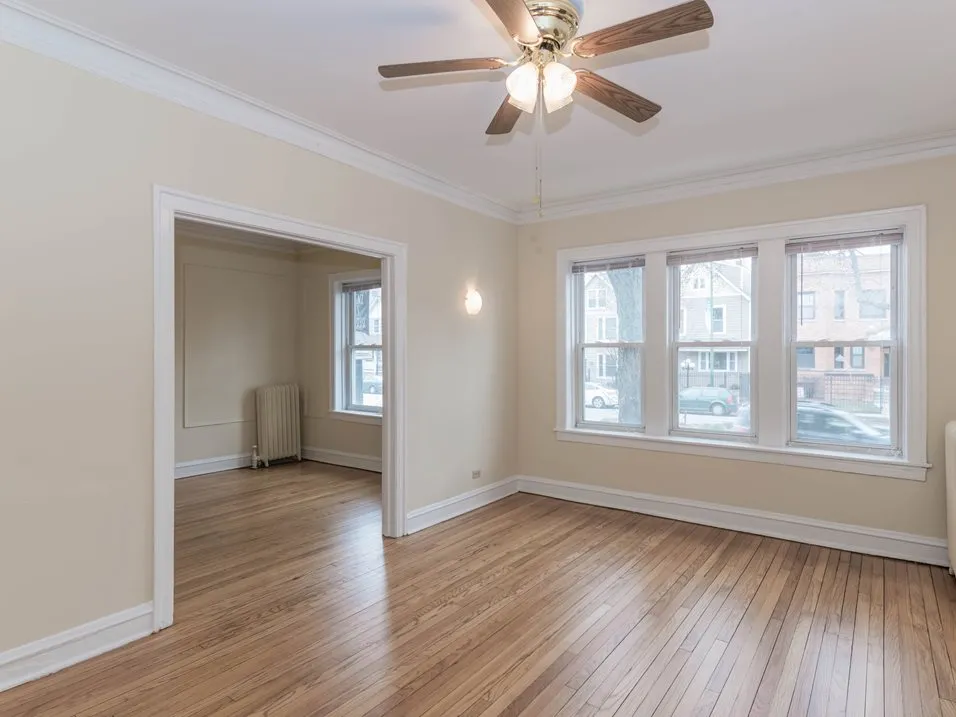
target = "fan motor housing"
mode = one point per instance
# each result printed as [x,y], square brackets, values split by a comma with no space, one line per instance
[558,20]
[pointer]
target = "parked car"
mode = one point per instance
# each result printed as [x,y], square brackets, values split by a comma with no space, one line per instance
[372,384]
[825,423]
[597,396]
[703,399]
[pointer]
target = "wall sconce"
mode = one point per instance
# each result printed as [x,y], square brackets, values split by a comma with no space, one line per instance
[473,303]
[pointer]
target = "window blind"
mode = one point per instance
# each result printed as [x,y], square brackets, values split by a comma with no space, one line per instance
[706,255]
[589,267]
[362,285]
[843,243]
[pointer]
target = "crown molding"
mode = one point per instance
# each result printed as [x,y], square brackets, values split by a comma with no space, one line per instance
[897,151]
[52,37]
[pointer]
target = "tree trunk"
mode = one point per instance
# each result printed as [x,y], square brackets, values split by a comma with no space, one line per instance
[629,294]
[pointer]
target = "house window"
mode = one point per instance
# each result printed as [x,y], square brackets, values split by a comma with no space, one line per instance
[807,304]
[806,357]
[699,283]
[608,383]
[874,304]
[357,366]
[856,408]
[607,328]
[851,387]
[705,400]
[857,357]
[839,305]
[597,298]
[717,320]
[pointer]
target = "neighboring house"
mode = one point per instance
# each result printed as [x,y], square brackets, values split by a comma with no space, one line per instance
[841,297]
[715,305]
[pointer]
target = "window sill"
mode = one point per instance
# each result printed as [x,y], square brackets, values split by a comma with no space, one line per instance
[803,458]
[372,419]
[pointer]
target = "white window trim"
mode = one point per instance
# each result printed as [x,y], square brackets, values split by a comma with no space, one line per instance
[337,386]
[772,367]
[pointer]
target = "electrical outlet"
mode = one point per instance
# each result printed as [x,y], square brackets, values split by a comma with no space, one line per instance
[475,475]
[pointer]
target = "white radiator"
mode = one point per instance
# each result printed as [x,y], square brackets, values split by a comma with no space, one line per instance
[277,423]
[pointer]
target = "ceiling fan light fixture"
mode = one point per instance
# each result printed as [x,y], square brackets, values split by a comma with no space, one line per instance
[522,87]
[559,84]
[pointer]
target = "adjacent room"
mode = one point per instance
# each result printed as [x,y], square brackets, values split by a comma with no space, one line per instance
[537,358]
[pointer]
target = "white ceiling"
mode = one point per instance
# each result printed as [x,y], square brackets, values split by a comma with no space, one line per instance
[773,81]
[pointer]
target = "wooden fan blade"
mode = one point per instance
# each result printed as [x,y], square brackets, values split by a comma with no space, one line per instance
[505,120]
[517,19]
[619,99]
[677,20]
[412,69]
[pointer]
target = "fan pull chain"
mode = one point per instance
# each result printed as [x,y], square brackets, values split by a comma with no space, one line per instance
[539,157]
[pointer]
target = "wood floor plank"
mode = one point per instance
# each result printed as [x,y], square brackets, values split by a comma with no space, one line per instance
[289,603]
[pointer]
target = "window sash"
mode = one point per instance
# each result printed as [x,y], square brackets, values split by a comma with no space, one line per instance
[794,250]
[578,324]
[346,382]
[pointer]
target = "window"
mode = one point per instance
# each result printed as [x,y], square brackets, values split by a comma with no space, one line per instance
[608,352]
[806,357]
[857,357]
[759,379]
[717,320]
[597,298]
[839,357]
[874,304]
[808,306]
[357,327]
[607,328]
[839,305]
[855,410]
[706,400]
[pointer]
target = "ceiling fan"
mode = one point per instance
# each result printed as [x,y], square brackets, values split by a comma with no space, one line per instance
[545,31]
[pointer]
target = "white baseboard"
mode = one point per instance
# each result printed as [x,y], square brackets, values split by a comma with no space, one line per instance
[51,654]
[859,539]
[213,465]
[459,505]
[372,464]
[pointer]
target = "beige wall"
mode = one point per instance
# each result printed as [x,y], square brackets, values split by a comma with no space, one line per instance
[892,504]
[236,328]
[80,158]
[320,429]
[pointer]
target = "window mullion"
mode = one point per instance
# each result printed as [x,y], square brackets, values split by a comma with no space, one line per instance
[660,324]
[772,393]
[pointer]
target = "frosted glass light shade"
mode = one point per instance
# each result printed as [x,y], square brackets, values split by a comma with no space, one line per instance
[522,87]
[559,84]
[473,303]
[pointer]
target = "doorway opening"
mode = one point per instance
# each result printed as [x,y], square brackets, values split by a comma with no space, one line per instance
[246,300]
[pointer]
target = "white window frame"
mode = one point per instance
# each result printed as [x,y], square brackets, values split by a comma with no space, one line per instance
[770,365]
[341,320]
[849,349]
[579,298]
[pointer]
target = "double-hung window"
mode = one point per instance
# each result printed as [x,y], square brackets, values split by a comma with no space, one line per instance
[799,343]
[848,402]
[707,357]
[608,300]
[357,327]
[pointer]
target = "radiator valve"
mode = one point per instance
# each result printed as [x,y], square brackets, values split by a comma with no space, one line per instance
[255,458]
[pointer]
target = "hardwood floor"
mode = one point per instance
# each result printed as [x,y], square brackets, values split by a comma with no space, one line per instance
[289,602]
